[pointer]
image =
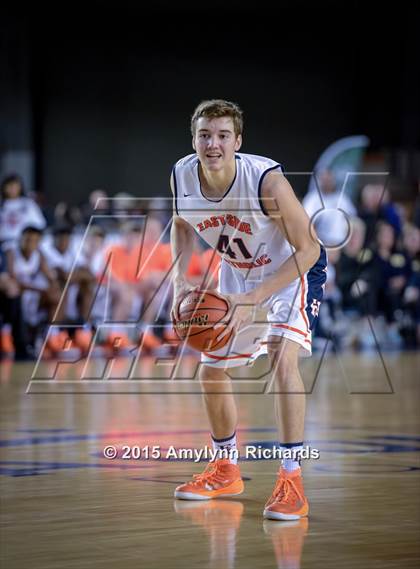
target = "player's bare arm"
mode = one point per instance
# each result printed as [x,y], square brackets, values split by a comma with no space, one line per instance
[10,260]
[10,263]
[182,240]
[46,271]
[281,204]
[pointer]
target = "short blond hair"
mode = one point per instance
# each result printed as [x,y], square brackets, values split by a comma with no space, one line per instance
[215,109]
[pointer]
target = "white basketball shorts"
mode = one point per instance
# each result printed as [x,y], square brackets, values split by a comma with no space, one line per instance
[292,313]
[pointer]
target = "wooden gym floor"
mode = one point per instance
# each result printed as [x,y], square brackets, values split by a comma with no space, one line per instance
[64,505]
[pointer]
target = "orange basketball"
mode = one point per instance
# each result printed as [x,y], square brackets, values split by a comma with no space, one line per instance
[198,312]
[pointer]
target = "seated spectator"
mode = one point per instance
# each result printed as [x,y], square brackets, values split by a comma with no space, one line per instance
[411,241]
[354,272]
[36,283]
[410,329]
[324,206]
[125,203]
[99,205]
[13,340]
[16,211]
[393,271]
[355,279]
[375,205]
[135,271]
[65,214]
[76,281]
[162,209]
[93,255]
[93,250]
[416,214]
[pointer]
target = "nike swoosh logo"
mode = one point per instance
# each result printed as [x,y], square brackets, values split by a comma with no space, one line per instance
[186,195]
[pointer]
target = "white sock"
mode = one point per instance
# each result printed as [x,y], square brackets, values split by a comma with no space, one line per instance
[228,446]
[293,450]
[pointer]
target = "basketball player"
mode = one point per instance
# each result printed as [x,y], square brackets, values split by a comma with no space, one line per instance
[135,272]
[244,207]
[61,255]
[30,273]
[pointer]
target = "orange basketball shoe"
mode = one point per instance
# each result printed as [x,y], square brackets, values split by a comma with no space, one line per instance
[288,500]
[6,343]
[220,478]
[59,342]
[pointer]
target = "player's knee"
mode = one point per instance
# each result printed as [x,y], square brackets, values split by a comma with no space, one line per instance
[86,277]
[209,376]
[9,286]
[283,363]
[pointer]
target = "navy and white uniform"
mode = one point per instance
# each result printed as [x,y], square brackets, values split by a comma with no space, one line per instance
[71,259]
[252,248]
[28,272]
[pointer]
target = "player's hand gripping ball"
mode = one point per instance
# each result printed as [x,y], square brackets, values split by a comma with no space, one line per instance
[198,312]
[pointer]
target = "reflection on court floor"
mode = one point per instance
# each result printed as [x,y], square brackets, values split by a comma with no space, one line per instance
[66,504]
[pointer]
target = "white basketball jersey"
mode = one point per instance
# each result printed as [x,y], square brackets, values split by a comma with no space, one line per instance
[236,225]
[26,270]
[58,260]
